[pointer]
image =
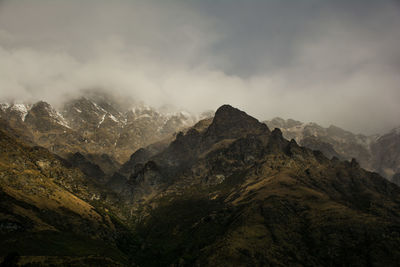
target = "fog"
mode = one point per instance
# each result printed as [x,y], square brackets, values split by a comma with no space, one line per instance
[330,62]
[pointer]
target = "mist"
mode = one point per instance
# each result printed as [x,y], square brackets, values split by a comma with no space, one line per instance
[330,62]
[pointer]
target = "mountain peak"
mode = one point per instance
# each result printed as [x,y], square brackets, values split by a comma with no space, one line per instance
[45,117]
[41,108]
[227,108]
[230,122]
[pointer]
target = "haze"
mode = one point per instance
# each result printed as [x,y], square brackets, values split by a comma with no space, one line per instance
[331,62]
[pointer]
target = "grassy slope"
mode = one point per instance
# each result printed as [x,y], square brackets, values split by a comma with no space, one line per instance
[41,213]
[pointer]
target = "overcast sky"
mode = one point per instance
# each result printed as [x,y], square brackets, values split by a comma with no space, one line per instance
[331,62]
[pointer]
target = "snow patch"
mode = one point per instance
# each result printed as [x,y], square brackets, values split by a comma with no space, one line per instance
[101,121]
[21,108]
[78,110]
[98,107]
[61,120]
[143,116]
[57,117]
[113,118]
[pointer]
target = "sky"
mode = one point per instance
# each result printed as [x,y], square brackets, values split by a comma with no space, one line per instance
[331,62]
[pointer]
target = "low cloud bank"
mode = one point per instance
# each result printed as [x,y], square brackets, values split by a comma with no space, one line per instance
[332,68]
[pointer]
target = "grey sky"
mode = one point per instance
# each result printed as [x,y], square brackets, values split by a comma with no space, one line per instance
[332,62]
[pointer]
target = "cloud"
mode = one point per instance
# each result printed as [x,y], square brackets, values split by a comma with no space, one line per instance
[332,62]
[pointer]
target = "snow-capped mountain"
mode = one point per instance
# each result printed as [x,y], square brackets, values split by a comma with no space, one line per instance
[14,110]
[93,126]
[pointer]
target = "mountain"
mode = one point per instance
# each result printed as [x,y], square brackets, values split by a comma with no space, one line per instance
[375,153]
[232,193]
[226,192]
[100,129]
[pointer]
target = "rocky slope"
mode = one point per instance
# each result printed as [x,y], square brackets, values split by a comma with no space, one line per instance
[234,193]
[375,153]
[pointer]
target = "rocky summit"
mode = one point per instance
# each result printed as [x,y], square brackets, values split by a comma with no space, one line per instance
[226,191]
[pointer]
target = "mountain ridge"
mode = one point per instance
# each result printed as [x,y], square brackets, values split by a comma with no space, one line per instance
[375,152]
[226,191]
[257,186]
